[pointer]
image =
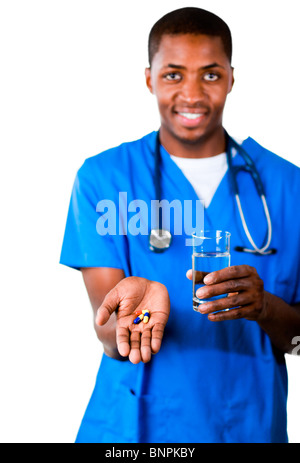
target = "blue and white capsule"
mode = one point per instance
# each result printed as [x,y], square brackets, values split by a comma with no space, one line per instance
[138,319]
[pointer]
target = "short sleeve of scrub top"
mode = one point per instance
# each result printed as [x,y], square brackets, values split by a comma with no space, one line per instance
[86,243]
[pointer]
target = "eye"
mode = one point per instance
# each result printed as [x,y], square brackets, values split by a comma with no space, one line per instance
[172,76]
[211,77]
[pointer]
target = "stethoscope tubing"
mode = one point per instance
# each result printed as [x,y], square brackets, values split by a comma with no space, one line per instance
[249,167]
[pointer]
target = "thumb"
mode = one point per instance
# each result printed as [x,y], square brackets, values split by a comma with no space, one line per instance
[189,274]
[108,306]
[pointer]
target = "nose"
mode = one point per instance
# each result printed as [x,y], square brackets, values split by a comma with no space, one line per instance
[192,91]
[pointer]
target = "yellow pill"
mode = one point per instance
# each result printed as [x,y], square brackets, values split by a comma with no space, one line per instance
[146,316]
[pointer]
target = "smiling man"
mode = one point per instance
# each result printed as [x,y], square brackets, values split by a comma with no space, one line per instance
[191,76]
[216,377]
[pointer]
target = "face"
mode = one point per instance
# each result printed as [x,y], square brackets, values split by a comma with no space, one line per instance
[191,77]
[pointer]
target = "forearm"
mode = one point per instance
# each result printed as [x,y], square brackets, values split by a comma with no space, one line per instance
[281,322]
[107,336]
[98,282]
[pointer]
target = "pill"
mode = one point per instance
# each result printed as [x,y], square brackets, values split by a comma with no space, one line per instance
[138,319]
[146,317]
[138,312]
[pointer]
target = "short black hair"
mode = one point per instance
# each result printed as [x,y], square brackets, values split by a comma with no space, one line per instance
[189,21]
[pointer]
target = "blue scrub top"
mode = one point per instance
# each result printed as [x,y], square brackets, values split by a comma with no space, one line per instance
[210,382]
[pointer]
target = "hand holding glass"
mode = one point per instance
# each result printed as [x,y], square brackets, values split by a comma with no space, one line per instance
[211,252]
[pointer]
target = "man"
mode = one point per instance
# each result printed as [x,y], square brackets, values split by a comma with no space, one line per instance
[208,382]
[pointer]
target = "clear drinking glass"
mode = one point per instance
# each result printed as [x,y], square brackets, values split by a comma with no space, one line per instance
[211,252]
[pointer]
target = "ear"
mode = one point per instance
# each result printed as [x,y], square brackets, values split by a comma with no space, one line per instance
[149,79]
[231,80]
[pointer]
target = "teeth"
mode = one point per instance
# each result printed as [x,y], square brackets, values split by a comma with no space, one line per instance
[190,115]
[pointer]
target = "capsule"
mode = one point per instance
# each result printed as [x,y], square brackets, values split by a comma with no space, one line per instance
[138,319]
[146,316]
[138,312]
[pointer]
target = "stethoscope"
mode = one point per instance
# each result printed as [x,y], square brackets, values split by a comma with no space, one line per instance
[160,239]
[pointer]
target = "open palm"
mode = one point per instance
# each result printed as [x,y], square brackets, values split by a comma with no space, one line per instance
[137,341]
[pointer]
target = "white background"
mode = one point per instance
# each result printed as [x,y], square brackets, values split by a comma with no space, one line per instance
[72,84]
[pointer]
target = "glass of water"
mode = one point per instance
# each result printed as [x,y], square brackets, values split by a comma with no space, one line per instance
[211,252]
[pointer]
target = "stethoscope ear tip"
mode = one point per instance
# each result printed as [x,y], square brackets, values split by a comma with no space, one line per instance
[239,249]
[252,251]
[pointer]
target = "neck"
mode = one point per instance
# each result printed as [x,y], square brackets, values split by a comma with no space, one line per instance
[204,147]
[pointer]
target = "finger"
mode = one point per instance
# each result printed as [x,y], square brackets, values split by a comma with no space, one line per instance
[135,346]
[239,300]
[232,294]
[189,274]
[157,335]
[198,276]
[233,314]
[146,345]
[229,286]
[123,341]
[108,306]
[229,273]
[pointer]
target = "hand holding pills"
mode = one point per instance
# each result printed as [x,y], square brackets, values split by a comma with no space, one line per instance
[142,307]
[244,289]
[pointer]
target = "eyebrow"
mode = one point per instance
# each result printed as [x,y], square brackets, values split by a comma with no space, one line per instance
[202,68]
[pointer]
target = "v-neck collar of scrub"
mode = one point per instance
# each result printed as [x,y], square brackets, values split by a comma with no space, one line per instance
[220,201]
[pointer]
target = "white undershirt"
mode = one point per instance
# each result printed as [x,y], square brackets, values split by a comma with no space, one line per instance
[204,174]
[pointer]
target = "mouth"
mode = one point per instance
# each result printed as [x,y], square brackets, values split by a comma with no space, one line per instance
[191,116]
[191,119]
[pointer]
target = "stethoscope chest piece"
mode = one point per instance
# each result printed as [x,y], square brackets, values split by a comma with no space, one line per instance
[159,240]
